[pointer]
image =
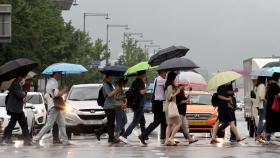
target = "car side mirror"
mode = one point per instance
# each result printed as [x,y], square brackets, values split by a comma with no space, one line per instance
[29,106]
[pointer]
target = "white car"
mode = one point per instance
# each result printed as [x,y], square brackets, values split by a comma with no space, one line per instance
[35,101]
[83,114]
[5,118]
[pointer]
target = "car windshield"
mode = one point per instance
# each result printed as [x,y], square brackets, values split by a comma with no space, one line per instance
[201,99]
[34,99]
[2,101]
[84,93]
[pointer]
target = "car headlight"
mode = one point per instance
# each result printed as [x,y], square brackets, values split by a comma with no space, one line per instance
[69,108]
[1,120]
[35,112]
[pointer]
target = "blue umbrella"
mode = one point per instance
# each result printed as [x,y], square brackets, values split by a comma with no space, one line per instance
[65,68]
[265,71]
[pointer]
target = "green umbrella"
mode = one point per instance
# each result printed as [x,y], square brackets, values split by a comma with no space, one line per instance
[138,67]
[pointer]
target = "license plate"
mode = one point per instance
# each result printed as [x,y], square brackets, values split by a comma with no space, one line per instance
[197,123]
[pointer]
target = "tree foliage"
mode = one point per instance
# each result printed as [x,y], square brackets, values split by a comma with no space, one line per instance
[132,54]
[40,33]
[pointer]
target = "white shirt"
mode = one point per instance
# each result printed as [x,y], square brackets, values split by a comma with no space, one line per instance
[159,89]
[260,96]
[51,89]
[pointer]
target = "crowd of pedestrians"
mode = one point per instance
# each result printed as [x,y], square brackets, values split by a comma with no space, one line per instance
[169,105]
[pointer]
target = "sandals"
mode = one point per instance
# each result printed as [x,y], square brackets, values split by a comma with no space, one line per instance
[240,140]
[193,141]
[214,141]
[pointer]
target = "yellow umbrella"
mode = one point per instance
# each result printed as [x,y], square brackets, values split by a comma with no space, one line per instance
[222,78]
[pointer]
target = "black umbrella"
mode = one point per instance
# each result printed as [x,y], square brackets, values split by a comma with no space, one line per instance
[176,64]
[272,64]
[10,69]
[168,53]
[116,70]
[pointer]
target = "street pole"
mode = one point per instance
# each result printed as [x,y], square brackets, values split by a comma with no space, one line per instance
[106,15]
[84,22]
[107,40]
[107,45]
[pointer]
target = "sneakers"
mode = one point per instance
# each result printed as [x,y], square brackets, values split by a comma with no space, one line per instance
[123,139]
[57,142]
[162,141]
[142,140]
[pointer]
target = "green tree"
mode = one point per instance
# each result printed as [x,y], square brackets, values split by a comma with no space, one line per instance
[132,54]
[40,33]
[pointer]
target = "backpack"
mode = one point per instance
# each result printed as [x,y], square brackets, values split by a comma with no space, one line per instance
[215,99]
[132,98]
[101,98]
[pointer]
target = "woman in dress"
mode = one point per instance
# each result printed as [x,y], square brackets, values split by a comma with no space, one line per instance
[174,123]
[272,118]
[225,115]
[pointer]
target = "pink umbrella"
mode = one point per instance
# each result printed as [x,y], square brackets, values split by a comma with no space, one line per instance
[191,79]
[242,72]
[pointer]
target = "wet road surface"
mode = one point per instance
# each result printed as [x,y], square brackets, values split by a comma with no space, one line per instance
[88,147]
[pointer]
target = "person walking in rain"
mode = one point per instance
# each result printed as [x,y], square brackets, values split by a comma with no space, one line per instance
[157,108]
[139,86]
[261,107]
[225,115]
[173,123]
[272,117]
[14,105]
[54,114]
[109,92]
[120,108]
[181,101]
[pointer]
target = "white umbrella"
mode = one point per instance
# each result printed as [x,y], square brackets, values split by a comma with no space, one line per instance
[191,78]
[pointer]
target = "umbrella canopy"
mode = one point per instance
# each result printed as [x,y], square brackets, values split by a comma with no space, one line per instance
[191,78]
[138,67]
[242,72]
[272,64]
[116,70]
[222,78]
[268,72]
[9,70]
[168,53]
[176,64]
[65,68]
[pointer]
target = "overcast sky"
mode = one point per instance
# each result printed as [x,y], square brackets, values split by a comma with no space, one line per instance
[219,33]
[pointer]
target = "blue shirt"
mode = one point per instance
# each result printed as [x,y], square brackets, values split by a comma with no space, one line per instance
[109,101]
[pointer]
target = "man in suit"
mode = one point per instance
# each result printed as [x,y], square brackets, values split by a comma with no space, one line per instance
[14,102]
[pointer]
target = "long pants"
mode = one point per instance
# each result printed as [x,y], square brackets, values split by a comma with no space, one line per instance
[138,118]
[261,125]
[110,125]
[54,116]
[185,126]
[21,119]
[121,120]
[159,118]
[55,132]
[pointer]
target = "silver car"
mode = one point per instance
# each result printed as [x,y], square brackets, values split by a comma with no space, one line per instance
[82,113]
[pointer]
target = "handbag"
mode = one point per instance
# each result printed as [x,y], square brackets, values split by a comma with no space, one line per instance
[275,105]
[172,110]
[59,103]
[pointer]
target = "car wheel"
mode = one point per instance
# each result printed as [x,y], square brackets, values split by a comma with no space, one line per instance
[69,134]
[251,128]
